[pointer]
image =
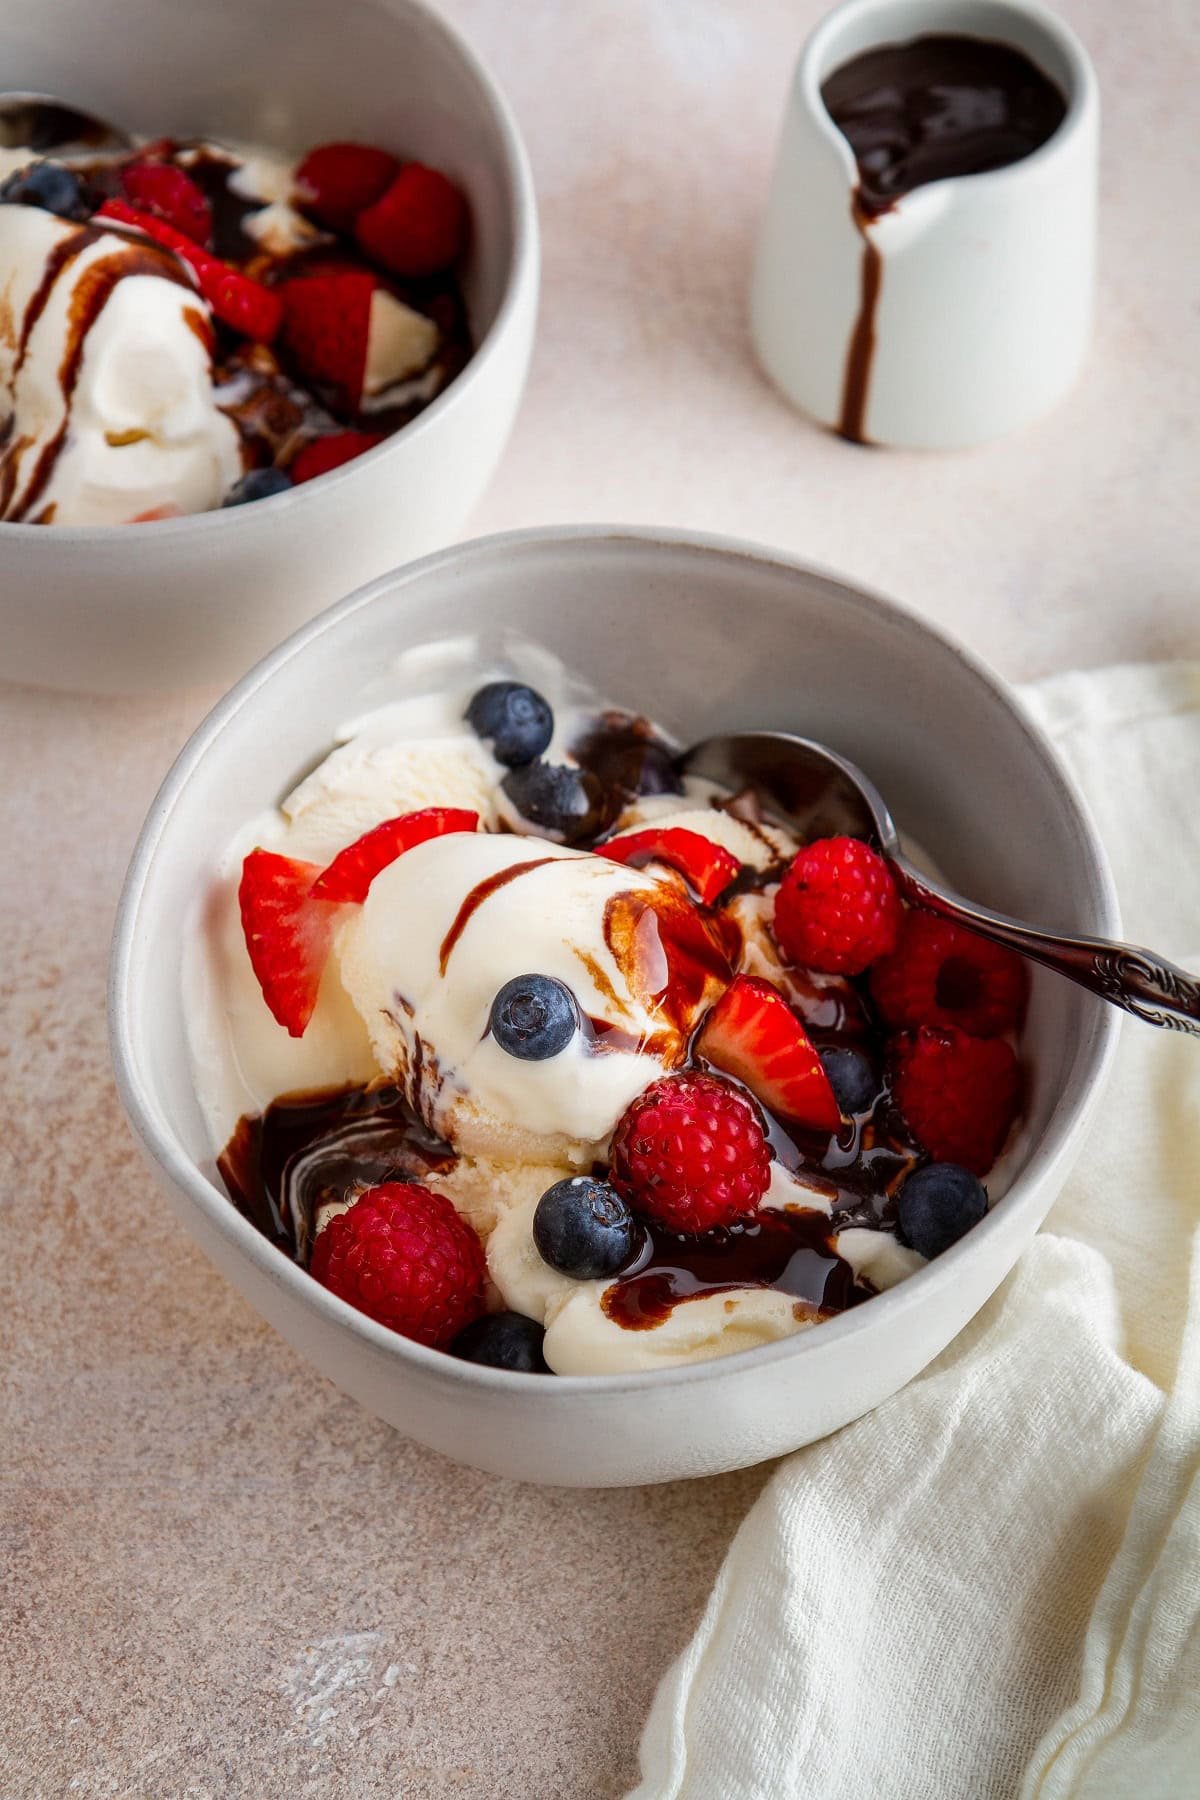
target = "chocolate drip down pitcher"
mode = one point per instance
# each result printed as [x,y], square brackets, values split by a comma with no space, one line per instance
[925,269]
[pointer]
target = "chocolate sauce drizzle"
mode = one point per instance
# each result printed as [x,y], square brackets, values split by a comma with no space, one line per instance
[483,890]
[923,111]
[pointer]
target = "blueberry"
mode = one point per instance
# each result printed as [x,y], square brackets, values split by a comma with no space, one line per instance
[515,718]
[556,798]
[506,1340]
[937,1205]
[257,484]
[53,188]
[534,1017]
[851,1077]
[583,1228]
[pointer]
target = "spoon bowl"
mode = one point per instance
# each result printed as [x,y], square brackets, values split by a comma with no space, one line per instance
[821,794]
[42,123]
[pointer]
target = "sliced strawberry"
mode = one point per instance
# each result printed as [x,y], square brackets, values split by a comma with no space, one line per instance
[753,1033]
[338,181]
[171,195]
[326,327]
[418,224]
[168,510]
[287,932]
[242,303]
[122,213]
[353,869]
[707,868]
[331,452]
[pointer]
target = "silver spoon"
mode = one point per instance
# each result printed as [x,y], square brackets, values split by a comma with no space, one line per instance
[43,123]
[820,794]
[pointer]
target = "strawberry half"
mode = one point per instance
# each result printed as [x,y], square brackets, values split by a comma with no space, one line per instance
[330,452]
[326,328]
[707,868]
[288,934]
[242,303]
[418,224]
[338,181]
[753,1033]
[353,869]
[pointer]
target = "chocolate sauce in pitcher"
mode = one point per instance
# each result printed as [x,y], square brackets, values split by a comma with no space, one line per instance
[924,111]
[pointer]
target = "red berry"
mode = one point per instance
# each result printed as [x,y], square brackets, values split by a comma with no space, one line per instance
[691,1153]
[331,452]
[959,1094]
[753,1033]
[403,1256]
[288,934]
[171,195]
[707,868]
[168,510]
[417,226]
[837,908]
[350,874]
[326,327]
[242,303]
[338,181]
[939,974]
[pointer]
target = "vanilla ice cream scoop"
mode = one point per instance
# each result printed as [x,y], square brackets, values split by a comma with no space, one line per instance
[448,924]
[105,378]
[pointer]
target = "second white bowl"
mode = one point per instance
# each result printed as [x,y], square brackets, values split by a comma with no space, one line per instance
[188,602]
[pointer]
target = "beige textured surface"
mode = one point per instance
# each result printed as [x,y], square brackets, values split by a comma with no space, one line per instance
[221,1578]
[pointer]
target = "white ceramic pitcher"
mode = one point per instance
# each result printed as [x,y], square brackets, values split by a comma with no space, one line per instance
[984,282]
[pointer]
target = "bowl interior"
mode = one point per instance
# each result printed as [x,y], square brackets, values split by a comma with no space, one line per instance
[287,74]
[703,637]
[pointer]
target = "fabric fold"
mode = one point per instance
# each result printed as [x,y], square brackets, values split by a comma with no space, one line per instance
[990,1586]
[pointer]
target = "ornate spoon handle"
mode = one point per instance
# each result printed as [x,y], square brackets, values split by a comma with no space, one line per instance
[1141,982]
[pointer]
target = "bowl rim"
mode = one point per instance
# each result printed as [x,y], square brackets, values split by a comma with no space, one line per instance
[165,1150]
[523,273]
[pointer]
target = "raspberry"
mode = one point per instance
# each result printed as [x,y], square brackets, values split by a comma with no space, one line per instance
[837,908]
[939,974]
[959,1094]
[171,195]
[404,1257]
[338,181]
[690,1153]
[417,225]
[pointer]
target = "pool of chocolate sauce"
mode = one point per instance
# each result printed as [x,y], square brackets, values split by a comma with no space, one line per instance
[790,1251]
[310,1149]
[923,111]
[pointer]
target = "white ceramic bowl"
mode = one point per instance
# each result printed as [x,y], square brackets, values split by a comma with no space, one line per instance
[186,602]
[705,635]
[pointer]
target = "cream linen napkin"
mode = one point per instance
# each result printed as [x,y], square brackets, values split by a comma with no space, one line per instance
[990,1587]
